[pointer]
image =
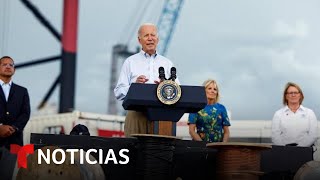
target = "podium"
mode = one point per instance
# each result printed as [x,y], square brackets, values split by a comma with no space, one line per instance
[143,98]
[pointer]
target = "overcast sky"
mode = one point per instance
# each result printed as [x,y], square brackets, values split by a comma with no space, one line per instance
[252,48]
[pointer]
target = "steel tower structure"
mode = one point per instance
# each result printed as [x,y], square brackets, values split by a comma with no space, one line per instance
[68,40]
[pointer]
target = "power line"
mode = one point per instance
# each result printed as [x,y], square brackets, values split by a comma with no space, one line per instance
[144,11]
[138,21]
[128,26]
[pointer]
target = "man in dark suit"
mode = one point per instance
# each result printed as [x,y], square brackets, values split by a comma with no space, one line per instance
[14,106]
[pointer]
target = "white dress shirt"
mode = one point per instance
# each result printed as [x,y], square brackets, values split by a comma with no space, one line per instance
[299,127]
[141,64]
[6,88]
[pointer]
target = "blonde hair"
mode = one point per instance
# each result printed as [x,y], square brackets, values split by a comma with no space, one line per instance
[291,84]
[207,83]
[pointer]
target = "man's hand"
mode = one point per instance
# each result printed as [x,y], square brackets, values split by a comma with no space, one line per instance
[6,130]
[142,79]
[158,82]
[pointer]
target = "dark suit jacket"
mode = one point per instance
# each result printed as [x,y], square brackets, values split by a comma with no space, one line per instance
[15,112]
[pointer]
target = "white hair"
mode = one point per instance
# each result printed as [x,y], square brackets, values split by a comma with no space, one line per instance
[146,24]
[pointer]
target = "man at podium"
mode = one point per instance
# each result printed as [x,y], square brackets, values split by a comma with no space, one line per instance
[141,67]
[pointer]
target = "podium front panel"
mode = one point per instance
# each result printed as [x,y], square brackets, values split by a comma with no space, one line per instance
[143,97]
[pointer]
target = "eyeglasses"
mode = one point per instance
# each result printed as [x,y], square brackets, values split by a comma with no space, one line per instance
[293,93]
[7,65]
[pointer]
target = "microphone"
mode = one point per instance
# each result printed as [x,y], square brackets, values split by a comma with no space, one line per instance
[162,76]
[173,74]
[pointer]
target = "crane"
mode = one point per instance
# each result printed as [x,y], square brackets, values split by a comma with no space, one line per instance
[167,23]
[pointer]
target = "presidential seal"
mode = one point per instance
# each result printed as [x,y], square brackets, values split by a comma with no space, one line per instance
[168,92]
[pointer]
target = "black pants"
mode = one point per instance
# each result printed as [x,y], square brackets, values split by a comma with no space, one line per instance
[7,163]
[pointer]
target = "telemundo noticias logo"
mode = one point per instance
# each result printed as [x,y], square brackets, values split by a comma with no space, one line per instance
[51,154]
